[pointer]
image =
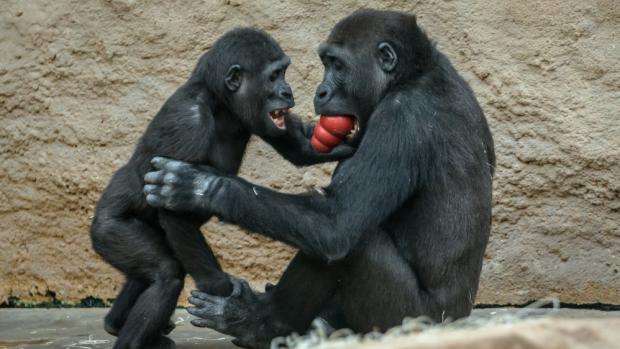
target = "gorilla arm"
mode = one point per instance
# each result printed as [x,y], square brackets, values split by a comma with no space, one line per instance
[365,190]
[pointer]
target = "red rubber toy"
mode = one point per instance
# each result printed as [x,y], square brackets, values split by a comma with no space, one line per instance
[330,131]
[337,125]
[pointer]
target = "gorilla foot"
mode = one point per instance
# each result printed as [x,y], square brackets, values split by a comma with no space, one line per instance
[243,314]
[162,343]
[113,329]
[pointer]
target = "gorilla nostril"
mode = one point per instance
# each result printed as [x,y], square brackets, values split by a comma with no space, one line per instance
[323,94]
[286,93]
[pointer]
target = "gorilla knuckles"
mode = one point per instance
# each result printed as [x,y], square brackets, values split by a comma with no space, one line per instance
[380,49]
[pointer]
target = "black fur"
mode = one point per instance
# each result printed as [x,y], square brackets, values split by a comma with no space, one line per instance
[402,228]
[208,120]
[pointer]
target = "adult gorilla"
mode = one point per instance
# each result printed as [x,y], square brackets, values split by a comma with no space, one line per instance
[401,229]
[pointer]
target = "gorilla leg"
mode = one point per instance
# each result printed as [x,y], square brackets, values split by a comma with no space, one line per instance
[141,253]
[374,287]
[151,312]
[379,288]
[306,288]
[190,247]
[254,319]
[122,305]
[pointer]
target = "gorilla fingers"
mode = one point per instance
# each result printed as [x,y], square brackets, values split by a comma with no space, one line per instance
[179,186]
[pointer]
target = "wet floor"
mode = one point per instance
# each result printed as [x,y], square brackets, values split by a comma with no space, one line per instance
[82,328]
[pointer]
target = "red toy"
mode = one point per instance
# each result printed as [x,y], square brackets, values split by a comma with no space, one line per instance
[330,131]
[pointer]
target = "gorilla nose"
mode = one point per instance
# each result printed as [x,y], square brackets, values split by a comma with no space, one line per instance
[286,93]
[323,94]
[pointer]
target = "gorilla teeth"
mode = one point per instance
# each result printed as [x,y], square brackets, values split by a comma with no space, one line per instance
[353,133]
[277,116]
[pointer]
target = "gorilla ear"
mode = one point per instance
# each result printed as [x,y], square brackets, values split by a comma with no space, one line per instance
[233,78]
[387,57]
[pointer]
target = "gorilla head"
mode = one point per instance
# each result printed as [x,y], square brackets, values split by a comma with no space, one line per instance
[367,54]
[245,70]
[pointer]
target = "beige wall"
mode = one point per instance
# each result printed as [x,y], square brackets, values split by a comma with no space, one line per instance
[79,81]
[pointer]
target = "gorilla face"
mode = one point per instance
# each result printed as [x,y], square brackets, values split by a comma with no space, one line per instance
[356,77]
[261,98]
[278,94]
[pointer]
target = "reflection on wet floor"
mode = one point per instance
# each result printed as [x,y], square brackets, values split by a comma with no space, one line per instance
[83,329]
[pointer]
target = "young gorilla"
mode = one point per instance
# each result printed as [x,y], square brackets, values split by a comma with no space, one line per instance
[237,88]
[401,229]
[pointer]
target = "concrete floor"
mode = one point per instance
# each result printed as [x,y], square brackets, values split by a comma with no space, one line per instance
[82,328]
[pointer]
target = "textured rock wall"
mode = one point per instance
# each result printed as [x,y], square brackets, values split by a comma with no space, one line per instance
[80,80]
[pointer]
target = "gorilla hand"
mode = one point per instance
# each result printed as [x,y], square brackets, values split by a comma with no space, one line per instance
[243,314]
[342,151]
[180,186]
[299,133]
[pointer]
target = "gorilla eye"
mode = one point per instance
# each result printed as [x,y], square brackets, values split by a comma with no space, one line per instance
[275,75]
[337,64]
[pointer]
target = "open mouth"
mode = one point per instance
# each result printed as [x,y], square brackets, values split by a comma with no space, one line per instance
[344,126]
[277,116]
[354,131]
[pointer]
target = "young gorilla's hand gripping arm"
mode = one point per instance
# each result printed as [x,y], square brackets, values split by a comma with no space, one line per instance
[295,146]
[365,190]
